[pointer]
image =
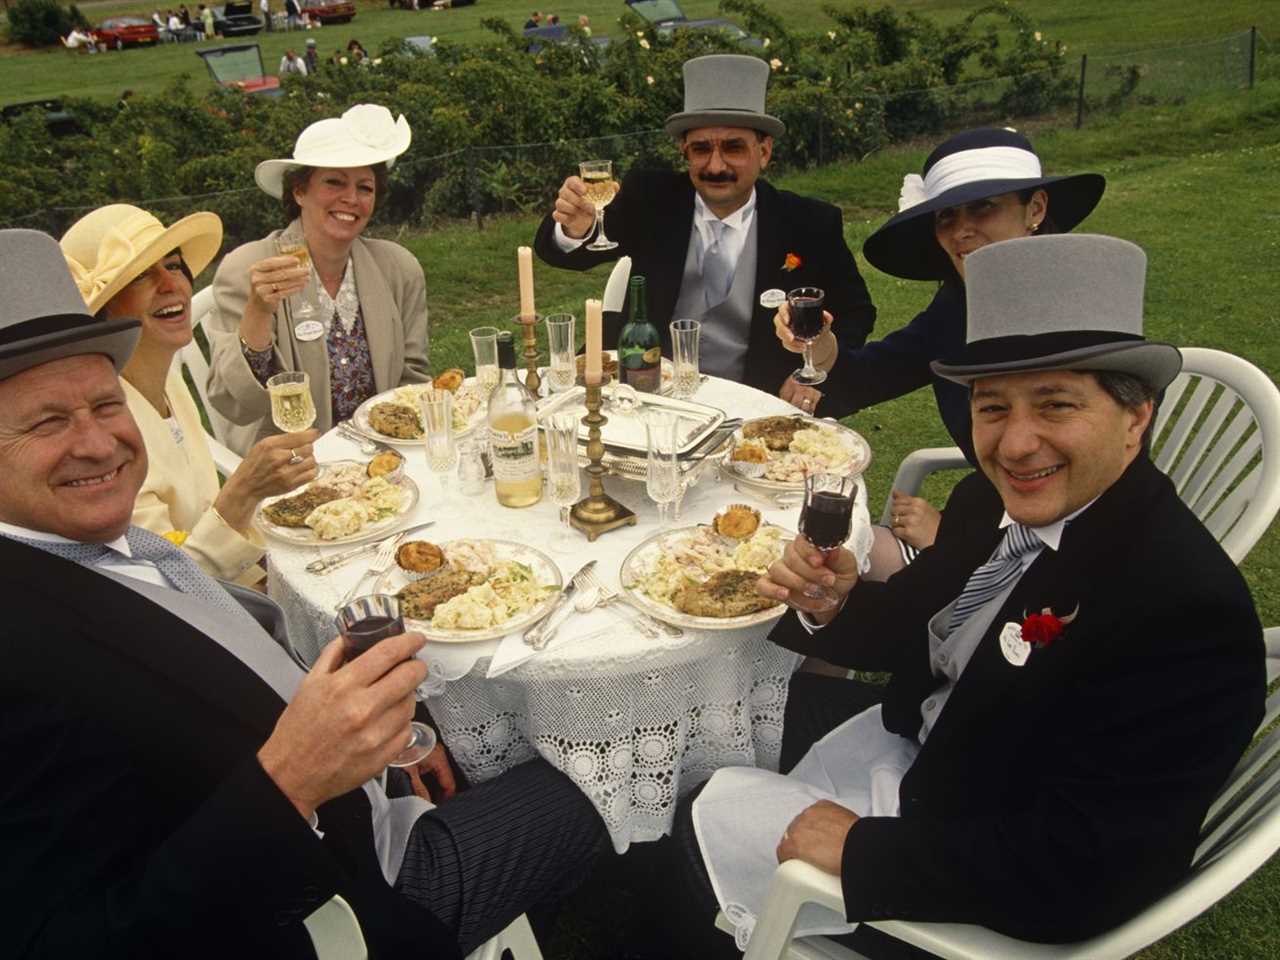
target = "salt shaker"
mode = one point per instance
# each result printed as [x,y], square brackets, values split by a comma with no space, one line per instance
[470,469]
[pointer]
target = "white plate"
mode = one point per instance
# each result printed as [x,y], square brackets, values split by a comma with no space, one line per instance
[544,568]
[854,442]
[638,561]
[360,419]
[305,536]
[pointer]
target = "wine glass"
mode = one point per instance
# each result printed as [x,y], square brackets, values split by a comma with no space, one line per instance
[662,479]
[563,477]
[825,521]
[805,306]
[684,354]
[601,189]
[292,243]
[438,437]
[484,346]
[292,408]
[363,622]
[563,370]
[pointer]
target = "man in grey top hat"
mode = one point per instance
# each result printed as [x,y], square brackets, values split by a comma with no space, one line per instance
[175,785]
[719,243]
[1076,664]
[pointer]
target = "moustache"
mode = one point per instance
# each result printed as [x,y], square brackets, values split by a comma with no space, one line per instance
[725,176]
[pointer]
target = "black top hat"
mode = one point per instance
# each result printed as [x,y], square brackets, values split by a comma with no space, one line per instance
[43,316]
[970,166]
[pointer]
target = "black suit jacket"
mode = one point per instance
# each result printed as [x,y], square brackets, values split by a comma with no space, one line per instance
[1054,800]
[651,220]
[135,819]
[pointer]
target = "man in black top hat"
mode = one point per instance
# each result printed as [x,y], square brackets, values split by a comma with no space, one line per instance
[719,244]
[1076,665]
[175,784]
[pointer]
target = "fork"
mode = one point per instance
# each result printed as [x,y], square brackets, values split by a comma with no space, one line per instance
[641,620]
[367,446]
[381,563]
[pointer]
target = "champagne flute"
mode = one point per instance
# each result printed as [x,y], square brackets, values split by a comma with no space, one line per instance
[363,622]
[662,479]
[292,408]
[438,436]
[825,521]
[484,346]
[563,477]
[292,243]
[684,353]
[805,307]
[601,189]
[563,370]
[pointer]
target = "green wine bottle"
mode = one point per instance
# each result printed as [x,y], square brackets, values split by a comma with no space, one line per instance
[639,349]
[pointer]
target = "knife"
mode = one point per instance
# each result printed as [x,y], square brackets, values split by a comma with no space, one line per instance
[338,559]
[539,635]
[615,289]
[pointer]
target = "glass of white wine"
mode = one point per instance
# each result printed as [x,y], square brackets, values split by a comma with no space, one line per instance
[292,243]
[601,189]
[662,481]
[563,369]
[484,345]
[292,408]
[438,435]
[563,477]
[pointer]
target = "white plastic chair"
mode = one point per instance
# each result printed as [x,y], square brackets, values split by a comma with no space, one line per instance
[1240,833]
[192,359]
[1217,436]
[335,934]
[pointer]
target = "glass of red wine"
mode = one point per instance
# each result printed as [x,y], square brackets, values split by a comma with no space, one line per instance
[825,521]
[804,304]
[363,622]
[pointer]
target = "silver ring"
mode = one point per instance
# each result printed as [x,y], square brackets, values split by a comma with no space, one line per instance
[897,519]
[293,457]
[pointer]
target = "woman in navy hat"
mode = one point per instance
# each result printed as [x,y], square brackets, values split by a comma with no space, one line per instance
[978,187]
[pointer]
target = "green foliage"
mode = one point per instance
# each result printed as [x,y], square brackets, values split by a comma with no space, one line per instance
[41,23]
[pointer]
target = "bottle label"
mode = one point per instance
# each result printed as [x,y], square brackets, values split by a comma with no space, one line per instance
[515,455]
[644,379]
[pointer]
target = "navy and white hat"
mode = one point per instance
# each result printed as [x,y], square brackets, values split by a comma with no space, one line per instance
[1067,302]
[970,166]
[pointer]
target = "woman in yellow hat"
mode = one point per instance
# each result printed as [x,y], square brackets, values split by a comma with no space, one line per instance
[128,264]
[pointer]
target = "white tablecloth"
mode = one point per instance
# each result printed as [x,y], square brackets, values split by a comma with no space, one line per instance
[634,722]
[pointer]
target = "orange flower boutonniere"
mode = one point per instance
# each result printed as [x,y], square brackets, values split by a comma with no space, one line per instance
[791,262]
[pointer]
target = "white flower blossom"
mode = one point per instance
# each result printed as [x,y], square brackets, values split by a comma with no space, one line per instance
[831,34]
[766,43]
[1037,36]
[858,105]
[775,63]
[376,61]
[649,79]
[343,61]
[644,43]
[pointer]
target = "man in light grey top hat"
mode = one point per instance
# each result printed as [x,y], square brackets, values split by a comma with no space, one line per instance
[175,785]
[1076,664]
[714,243]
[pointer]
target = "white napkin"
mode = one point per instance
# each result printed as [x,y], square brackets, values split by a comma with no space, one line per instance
[513,651]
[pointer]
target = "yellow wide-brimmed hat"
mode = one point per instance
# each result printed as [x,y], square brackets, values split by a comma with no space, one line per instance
[108,248]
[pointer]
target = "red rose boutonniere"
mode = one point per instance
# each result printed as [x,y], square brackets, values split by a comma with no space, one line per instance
[791,262]
[1037,630]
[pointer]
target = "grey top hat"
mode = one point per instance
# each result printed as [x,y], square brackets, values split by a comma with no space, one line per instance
[43,316]
[1065,302]
[725,90]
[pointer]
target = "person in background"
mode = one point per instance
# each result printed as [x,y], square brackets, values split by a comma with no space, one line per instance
[584,24]
[291,63]
[369,333]
[312,57]
[78,39]
[356,52]
[293,13]
[534,21]
[128,265]
[123,102]
[206,17]
[265,7]
[176,29]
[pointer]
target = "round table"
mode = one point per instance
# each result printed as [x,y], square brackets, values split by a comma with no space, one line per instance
[635,722]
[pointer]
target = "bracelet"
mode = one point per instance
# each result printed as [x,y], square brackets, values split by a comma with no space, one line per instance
[244,345]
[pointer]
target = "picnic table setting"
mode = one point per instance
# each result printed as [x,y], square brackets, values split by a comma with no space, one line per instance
[607,619]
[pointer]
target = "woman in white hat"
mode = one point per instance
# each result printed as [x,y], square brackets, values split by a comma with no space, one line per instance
[128,264]
[369,333]
[976,188]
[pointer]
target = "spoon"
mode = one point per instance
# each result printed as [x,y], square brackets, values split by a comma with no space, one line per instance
[586,599]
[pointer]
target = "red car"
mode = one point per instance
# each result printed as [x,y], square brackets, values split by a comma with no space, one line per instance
[121,32]
[329,11]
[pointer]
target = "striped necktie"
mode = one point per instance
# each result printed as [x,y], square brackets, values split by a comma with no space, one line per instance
[988,580]
[717,271]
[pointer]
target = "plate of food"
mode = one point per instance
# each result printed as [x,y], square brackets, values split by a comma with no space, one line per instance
[704,576]
[348,502]
[775,454]
[393,415]
[466,590]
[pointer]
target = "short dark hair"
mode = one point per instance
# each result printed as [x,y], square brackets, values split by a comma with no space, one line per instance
[1129,392]
[299,177]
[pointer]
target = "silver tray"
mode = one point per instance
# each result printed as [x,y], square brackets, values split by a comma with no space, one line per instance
[643,554]
[859,449]
[625,432]
[306,537]
[544,568]
[360,419]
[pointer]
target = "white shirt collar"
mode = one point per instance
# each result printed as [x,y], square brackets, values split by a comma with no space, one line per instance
[739,219]
[1050,534]
[120,544]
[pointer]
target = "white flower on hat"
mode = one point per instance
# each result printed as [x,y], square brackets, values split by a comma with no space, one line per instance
[372,125]
[912,193]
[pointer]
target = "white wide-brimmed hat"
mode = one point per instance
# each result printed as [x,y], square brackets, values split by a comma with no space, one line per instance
[366,134]
[42,315]
[108,248]
[725,90]
[1062,302]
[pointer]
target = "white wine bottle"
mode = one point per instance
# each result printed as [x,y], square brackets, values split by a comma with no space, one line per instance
[513,434]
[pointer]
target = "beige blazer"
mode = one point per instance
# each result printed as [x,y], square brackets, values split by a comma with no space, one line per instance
[181,485]
[393,299]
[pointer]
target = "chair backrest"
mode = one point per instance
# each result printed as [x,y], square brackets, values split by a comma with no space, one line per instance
[1217,436]
[193,360]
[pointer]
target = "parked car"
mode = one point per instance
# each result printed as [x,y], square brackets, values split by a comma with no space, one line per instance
[538,37]
[60,122]
[666,17]
[121,32]
[422,46]
[236,19]
[239,66]
[329,11]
